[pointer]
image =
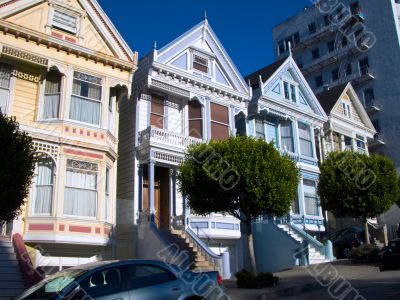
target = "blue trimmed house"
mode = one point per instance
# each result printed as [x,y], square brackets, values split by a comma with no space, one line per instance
[284,110]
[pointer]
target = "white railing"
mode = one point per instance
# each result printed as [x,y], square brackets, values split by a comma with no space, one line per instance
[348,148]
[167,137]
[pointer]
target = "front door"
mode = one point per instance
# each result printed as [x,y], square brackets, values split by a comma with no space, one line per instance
[161,196]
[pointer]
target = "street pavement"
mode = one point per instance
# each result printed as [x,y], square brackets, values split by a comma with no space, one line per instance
[340,280]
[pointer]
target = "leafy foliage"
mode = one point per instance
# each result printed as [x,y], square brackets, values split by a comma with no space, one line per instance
[17,165]
[366,253]
[357,186]
[240,176]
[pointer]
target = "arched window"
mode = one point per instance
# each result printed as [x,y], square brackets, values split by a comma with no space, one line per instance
[5,78]
[240,124]
[195,119]
[44,183]
[52,95]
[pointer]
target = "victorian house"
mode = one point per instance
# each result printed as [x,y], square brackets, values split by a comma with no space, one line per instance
[64,69]
[187,92]
[349,128]
[285,111]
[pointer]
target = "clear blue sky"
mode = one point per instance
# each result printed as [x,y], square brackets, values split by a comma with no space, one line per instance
[243,26]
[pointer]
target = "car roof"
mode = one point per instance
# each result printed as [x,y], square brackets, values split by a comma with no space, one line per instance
[110,263]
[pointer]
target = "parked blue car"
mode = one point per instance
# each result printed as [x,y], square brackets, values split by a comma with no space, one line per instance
[127,280]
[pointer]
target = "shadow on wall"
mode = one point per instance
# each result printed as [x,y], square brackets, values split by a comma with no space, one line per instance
[274,249]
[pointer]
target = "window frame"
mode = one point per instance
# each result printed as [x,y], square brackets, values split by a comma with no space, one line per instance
[100,101]
[335,75]
[312,28]
[315,53]
[35,185]
[310,141]
[311,196]
[218,122]
[10,88]
[95,171]
[369,97]
[44,94]
[346,109]
[319,83]
[151,113]
[70,13]
[258,134]
[285,137]
[202,57]
[201,118]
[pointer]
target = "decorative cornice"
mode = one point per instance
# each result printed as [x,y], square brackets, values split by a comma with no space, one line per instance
[25,56]
[70,48]
[170,88]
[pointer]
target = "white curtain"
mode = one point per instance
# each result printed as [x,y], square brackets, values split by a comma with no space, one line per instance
[52,90]
[80,194]
[260,129]
[82,109]
[5,76]
[287,136]
[4,96]
[305,140]
[44,186]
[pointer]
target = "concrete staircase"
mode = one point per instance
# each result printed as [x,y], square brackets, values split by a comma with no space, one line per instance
[197,261]
[315,256]
[11,281]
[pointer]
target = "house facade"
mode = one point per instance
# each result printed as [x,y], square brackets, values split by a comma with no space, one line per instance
[285,111]
[187,92]
[64,69]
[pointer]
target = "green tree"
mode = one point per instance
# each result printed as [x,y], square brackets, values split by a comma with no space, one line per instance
[241,176]
[17,165]
[358,186]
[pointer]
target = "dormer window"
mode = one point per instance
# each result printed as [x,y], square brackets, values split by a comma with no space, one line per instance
[346,109]
[65,20]
[290,91]
[200,63]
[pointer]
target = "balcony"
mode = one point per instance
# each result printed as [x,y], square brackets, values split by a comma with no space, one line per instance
[318,35]
[153,135]
[371,106]
[348,148]
[377,141]
[297,158]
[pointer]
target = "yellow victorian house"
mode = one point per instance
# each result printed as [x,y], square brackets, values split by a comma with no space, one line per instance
[64,68]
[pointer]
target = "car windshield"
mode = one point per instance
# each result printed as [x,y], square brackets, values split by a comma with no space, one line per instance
[52,285]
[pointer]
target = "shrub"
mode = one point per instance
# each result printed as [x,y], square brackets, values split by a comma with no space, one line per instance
[262,280]
[365,253]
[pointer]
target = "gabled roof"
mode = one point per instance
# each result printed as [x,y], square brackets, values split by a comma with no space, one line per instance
[271,73]
[96,13]
[204,31]
[329,98]
[265,72]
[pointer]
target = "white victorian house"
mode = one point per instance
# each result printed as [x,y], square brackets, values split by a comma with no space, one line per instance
[187,92]
[285,111]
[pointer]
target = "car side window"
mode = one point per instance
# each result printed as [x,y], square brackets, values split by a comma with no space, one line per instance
[141,276]
[104,282]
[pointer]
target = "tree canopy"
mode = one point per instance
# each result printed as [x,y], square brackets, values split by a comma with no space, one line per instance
[357,186]
[241,176]
[17,165]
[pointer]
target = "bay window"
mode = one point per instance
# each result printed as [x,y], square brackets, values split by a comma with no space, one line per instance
[305,137]
[86,99]
[80,189]
[361,143]
[219,121]
[260,129]
[43,196]
[195,119]
[111,101]
[287,136]
[5,78]
[157,111]
[107,205]
[52,94]
[310,197]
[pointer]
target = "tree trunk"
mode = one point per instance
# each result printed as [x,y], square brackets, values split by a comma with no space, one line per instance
[366,231]
[250,246]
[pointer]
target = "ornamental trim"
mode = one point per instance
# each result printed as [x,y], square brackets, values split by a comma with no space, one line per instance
[26,56]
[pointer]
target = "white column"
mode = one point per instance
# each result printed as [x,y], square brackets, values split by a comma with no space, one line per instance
[342,143]
[151,188]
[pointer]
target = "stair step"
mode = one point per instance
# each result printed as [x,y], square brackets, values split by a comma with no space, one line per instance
[11,292]
[8,263]
[9,269]
[16,275]
[5,250]
[5,243]
[203,264]
[11,284]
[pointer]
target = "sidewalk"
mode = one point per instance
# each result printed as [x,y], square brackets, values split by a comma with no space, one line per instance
[299,280]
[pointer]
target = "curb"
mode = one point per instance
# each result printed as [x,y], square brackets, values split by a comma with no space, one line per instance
[289,291]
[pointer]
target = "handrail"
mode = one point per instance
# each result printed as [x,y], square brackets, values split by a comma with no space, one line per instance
[30,274]
[204,233]
[313,241]
[201,244]
[166,136]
